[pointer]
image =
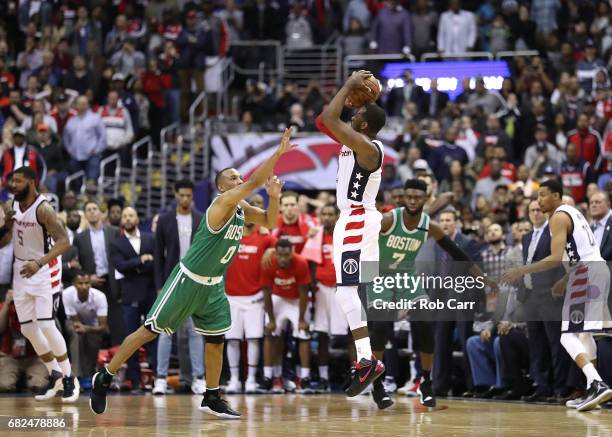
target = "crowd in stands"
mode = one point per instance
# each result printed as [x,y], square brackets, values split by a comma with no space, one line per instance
[80,80]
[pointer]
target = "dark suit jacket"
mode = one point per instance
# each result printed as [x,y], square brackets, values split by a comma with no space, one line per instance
[167,247]
[67,272]
[138,284]
[543,281]
[395,102]
[441,101]
[82,242]
[606,241]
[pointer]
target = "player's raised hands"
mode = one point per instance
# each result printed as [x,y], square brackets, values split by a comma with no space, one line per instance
[357,79]
[274,186]
[285,144]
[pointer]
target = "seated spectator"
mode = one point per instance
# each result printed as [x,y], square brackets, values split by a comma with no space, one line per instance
[86,311]
[38,107]
[389,179]
[576,174]
[508,169]
[79,78]
[441,157]
[51,152]
[29,60]
[21,154]
[85,140]
[494,135]
[486,186]
[490,101]
[17,357]
[542,154]
[117,122]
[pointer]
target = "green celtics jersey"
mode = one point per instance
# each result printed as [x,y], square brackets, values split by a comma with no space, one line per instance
[211,252]
[399,246]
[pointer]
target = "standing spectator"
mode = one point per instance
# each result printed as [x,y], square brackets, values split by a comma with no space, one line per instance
[356,10]
[409,92]
[392,29]
[291,224]
[168,64]
[542,153]
[193,45]
[587,68]
[79,78]
[17,357]
[424,23]
[173,237]
[486,186]
[441,157]
[587,141]
[127,99]
[94,249]
[437,100]
[523,30]
[457,29]
[576,173]
[155,84]
[29,60]
[114,212]
[233,17]
[87,321]
[132,254]
[298,28]
[493,136]
[544,13]
[117,36]
[264,20]
[62,113]
[84,30]
[490,101]
[52,155]
[117,122]
[38,107]
[128,61]
[22,154]
[85,140]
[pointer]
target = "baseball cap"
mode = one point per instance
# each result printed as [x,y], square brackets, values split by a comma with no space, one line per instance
[420,164]
[18,131]
[118,76]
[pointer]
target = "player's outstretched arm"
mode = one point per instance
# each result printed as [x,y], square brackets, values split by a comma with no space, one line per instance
[224,205]
[343,133]
[48,218]
[269,217]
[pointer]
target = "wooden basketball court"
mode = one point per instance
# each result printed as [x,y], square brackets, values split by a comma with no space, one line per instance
[320,416]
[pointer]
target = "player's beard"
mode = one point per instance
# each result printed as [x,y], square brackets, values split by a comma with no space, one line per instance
[418,211]
[22,195]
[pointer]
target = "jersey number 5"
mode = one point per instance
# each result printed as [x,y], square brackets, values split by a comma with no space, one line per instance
[228,255]
[398,257]
[20,237]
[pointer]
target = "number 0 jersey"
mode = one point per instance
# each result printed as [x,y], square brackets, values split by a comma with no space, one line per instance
[581,244]
[211,252]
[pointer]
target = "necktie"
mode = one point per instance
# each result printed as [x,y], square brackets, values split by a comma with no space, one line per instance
[594,226]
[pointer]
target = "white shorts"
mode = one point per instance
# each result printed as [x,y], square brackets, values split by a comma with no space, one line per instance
[288,310]
[329,317]
[247,316]
[355,242]
[37,298]
[585,307]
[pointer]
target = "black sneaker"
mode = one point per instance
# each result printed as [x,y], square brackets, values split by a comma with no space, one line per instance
[380,396]
[304,386]
[598,393]
[72,389]
[213,404]
[54,386]
[264,386]
[426,394]
[366,371]
[99,387]
[323,386]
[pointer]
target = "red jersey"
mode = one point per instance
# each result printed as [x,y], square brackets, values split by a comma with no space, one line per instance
[508,171]
[242,278]
[285,282]
[588,145]
[12,341]
[62,120]
[296,233]
[326,274]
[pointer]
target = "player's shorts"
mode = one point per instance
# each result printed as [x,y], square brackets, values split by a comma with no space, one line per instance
[328,316]
[355,242]
[37,298]
[186,294]
[585,307]
[247,316]
[288,310]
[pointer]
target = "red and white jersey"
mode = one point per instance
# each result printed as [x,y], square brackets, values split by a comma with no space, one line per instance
[581,244]
[326,273]
[30,238]
[355,185]
[243,274]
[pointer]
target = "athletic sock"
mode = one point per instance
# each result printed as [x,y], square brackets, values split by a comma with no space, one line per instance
[304,372]
[65,366]
[268,371]
[52,365]
[591,374]
[212,392]
[234,373]
[364,350]
[277,371]
[252,373]
[324,372]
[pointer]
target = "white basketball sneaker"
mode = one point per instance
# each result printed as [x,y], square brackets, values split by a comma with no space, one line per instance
[160,387]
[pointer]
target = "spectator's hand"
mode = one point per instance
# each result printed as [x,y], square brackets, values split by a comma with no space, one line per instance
[9,297]
[270,327]
[97,281]
[146,257]
[29,269]
[266,259]
[74,264]
[503,328]
[485,335]
[303,326]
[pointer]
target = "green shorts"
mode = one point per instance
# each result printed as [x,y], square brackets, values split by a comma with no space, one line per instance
[183,297]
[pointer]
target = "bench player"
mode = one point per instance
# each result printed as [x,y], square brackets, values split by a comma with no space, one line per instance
[195,287]
[39,240]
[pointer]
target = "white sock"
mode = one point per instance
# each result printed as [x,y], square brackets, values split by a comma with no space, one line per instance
[268,371]
[233,358]
[52,365]
[591,374]
[234,373]
[304,372]
[364,350]
[324,372]
[278,371]
[65,366]
[252,373]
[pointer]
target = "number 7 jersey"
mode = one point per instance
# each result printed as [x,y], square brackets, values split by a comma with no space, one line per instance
[399,246]
[211,252]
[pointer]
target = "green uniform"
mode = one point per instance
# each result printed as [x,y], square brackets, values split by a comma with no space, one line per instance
[398,251]
[196,285]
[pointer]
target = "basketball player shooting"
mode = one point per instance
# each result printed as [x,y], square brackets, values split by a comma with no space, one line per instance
[39,240]
[586,285]
[356,232]
[196,288]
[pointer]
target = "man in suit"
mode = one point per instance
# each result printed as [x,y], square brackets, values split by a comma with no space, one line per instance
[410,92]
[601,224]
[94,249]
[436,100]
[549,362]
[444,327]
[173,237]
[132,254]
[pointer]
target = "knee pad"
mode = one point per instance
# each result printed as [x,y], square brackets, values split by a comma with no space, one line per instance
[32,332]
[54,337]
[214,339]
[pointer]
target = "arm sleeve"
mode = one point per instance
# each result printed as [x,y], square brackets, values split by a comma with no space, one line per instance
[324,129]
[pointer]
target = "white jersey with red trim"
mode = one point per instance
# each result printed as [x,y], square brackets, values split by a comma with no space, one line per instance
[581,244]
[354,184]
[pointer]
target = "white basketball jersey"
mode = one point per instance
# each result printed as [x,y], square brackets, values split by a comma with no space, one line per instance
[30,238]
[581,244]
[355,185]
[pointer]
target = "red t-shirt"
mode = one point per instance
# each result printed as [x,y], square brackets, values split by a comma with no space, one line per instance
[285,282]
[326,274]
[508,171]
[12,341]
[295,233]
[243,274]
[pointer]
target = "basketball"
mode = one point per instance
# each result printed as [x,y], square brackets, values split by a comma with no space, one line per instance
[368,94]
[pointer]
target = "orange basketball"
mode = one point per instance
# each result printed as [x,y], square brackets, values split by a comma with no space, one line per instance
[369,93]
